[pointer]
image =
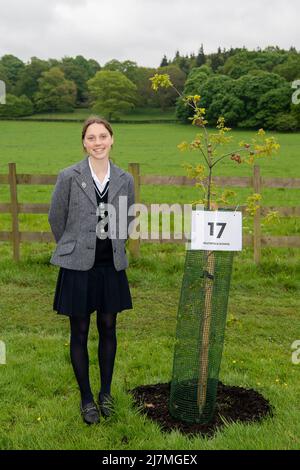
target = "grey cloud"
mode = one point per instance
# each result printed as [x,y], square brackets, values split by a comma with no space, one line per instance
[142,30]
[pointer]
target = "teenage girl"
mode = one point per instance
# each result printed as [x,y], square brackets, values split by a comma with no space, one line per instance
[86,218]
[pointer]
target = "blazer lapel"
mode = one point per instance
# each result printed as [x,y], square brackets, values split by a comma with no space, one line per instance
[115,181]
[85,180]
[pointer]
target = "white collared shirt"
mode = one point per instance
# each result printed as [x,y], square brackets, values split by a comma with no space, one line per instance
[100,185]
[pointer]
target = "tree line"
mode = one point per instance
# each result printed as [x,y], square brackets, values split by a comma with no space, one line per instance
[250,89]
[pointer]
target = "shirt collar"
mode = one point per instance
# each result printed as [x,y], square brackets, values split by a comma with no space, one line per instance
[95,177]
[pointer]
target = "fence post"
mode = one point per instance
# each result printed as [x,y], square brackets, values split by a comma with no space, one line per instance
[256,220]
[12,179]
[134,169]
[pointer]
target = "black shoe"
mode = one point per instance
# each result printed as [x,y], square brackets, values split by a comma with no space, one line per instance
[90,413]
[106,405]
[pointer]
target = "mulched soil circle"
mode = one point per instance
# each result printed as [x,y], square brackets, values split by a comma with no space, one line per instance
[233,404]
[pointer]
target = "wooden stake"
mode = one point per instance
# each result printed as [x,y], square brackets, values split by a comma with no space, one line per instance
[256,220]
[203,365]
[12,178]
[134,169]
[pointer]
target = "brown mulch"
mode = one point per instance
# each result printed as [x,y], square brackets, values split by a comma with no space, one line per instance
[233,404]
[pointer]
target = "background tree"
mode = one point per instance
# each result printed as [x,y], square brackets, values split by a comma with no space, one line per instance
[218,98]
[16,106]
[90,65]
[137,75]
[256,96]
[144,94]
[11,68]
[290,68]
[243,62]
[111,93]
[295,113]
[192,61]
[78,75]
[164,61]
[127,68]
[3,75]
[184,65]
[251,88]
[227,105]
[271,104]
[167,97]
[196,78]
[286,122]
[238,65]
[55,93]
[176,59]
[54,63]
[27,83]
[216,60]
[200,59]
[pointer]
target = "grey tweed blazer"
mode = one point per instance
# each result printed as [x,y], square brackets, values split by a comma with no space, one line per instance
[73,217]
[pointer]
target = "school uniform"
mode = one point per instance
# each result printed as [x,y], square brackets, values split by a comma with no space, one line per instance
[92,262]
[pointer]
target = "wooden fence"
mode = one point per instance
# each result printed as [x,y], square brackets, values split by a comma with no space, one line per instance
[257,240]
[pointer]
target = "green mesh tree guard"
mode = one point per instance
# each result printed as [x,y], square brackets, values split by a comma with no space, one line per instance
[201,322]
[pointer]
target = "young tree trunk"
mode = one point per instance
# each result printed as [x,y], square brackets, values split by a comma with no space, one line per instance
[209,268]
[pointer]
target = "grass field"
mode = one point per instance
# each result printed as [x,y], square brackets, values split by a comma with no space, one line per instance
[38,396]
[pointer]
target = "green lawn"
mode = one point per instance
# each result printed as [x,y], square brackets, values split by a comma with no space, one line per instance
[39,399]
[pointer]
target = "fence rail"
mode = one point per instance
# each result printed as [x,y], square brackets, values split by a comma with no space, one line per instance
[257,240]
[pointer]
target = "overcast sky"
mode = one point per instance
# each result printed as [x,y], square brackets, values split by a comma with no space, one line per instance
[143,30]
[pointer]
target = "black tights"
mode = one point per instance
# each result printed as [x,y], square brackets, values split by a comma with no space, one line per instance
[107,347]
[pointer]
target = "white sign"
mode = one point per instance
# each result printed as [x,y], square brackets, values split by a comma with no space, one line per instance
[216,230]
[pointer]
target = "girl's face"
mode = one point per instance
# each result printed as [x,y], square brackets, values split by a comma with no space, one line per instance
[98,141]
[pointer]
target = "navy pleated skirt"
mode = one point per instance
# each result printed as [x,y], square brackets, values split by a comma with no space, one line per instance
[101,288]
